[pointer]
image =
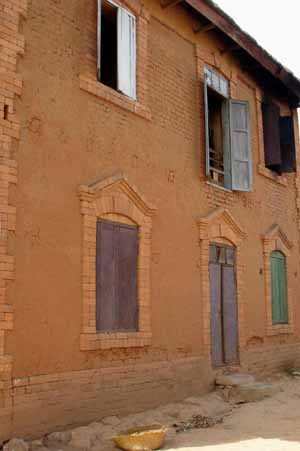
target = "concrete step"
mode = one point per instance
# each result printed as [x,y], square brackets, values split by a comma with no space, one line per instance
[234,379]
[252,392]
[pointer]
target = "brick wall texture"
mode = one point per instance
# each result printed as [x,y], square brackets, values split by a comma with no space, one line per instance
[63,131]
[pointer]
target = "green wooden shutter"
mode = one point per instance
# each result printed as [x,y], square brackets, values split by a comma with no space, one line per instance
[241,161]
[279,288]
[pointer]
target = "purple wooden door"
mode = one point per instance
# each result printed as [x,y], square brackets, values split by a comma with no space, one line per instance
[224,315]
[230,319]
[216,313]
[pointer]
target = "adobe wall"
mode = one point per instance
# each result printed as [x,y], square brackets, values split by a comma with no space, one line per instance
[70,137]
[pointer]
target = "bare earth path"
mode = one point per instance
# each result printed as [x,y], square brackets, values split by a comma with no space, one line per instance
[269,425]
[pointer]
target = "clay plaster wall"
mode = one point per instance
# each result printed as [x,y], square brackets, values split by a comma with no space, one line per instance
[70,137]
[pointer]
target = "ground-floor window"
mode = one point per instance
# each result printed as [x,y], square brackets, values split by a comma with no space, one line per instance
[116,277]
[279,288]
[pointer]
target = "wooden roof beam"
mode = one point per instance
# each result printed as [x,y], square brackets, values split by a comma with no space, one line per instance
[169,3]
[204,28]
[231,48]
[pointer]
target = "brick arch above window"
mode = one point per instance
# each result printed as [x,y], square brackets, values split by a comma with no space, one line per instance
[274,239]
[219,226]
[117,200]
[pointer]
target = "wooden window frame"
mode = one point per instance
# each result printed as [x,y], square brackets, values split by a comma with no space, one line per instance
[88,78]
[214,81]
[275,240]
[115,200]
[219,227]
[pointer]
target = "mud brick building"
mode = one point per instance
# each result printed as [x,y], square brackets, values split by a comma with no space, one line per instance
[149,207]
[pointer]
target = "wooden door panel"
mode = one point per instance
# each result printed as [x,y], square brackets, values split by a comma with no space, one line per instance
[216,313]
[230,315]
[127,278]
[106,275]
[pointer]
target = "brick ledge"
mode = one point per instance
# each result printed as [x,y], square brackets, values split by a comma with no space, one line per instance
[280,179]
[93,86]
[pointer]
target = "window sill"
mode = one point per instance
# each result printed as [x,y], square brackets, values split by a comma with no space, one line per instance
[280,329]
[95,341]
[280,179]
[93,86]
[222,188]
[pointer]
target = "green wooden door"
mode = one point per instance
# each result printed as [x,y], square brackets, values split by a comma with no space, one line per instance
[279,288]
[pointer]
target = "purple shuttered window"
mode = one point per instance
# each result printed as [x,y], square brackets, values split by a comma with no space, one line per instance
[279,139]
[287,143]
[271,115]
[116,277]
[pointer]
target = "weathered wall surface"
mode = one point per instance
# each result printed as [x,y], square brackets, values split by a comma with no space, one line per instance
[70,137]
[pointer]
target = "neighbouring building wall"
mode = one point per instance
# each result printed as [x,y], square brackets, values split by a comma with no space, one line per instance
[70,136]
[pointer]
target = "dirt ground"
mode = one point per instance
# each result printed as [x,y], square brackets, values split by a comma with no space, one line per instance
[269,425]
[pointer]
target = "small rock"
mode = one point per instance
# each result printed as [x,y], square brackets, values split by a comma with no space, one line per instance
[234,379]
[36,444]
[16,444]
[83,437]
[111,421]
[57,438]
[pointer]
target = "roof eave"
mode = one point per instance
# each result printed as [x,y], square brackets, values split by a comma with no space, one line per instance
[227,25]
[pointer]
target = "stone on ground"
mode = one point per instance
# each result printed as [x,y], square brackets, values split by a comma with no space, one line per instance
[253,392]
[16,444]
[83,437]
[234,379]
[111,421]
[57,438]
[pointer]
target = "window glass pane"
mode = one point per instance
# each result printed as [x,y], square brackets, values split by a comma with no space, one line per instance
[230,254]
[213,258]
[222,255]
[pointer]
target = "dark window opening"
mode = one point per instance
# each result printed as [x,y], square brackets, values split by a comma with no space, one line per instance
[109,43]
[279,139]
[216,137]
[5,113]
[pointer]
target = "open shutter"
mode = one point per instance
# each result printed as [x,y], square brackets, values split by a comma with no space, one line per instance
[287,144]
[241,161]
[99,12]
[127,278]
[271,115]
[126,53]
[206,113]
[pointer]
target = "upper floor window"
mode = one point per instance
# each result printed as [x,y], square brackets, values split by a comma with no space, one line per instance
[116,48]
[116,277]
[279,288]
[227,125]
[279,139]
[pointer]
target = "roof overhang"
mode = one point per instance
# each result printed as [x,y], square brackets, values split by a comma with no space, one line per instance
[244,41]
